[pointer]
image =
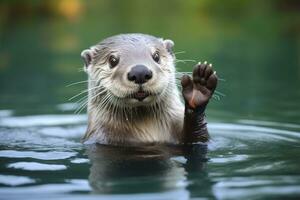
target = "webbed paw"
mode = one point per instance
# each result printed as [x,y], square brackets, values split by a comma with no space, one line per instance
[198,90]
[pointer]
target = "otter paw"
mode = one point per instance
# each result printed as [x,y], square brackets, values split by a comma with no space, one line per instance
[198,90]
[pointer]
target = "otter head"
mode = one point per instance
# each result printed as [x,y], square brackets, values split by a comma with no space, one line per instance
[130,70]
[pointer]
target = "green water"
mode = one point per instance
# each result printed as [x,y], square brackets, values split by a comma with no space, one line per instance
[255,129]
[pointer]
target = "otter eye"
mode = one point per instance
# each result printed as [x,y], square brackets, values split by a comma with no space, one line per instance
[113,61]
[156,57]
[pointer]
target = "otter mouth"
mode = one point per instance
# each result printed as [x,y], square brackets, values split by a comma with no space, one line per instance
[140,95]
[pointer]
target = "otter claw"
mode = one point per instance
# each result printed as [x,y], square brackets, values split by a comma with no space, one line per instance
[198,90]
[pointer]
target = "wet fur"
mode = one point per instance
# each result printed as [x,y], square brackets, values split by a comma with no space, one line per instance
[111,119]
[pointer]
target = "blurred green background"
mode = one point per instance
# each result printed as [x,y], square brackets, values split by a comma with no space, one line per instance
[253,45]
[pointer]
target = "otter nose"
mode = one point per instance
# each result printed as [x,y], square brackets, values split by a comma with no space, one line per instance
[139,74]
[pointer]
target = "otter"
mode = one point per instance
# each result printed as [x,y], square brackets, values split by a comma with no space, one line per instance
[133,97]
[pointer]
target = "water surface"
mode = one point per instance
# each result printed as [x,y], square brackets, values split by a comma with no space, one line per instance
[255,131]
[45,159]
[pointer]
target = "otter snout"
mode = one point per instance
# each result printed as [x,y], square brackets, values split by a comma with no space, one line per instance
[139,74]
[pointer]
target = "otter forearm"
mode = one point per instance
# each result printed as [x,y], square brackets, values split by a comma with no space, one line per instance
[195,129]
[197,92]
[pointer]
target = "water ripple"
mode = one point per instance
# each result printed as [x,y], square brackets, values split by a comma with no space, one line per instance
[229,159]
[31,138]
[251,187]
[80,160]
[42,120]
[15,180]
[50,155]
[261,133]
[34,166]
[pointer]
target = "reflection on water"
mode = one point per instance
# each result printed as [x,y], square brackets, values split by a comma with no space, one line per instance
[255,144]
[242,161]
[142,169]
[34,166]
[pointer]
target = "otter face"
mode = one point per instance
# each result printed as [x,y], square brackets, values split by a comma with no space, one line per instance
[131,69]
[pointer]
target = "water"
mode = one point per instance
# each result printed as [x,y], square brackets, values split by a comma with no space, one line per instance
[45,159]
[255,131]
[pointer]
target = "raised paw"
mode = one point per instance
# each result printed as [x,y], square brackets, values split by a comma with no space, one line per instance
[198,90]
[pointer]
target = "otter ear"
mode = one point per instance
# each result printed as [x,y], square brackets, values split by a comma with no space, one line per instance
[169,45]
[88,56]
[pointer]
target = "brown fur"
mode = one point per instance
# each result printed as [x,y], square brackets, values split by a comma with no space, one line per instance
[115,119]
